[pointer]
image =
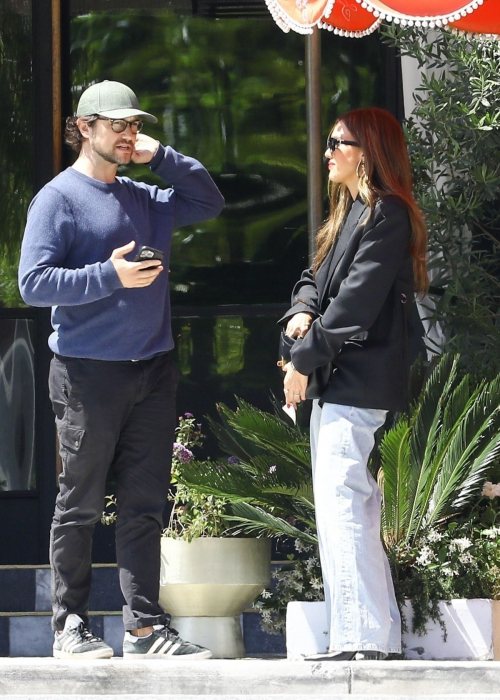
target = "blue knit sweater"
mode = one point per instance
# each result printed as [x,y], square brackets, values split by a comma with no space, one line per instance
[75,223]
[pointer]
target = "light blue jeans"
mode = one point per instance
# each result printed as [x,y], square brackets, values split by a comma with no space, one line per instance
[359,593]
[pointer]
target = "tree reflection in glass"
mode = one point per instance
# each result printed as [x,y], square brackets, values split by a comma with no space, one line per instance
[16,143]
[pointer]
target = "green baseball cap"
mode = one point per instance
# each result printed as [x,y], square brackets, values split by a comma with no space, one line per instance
[111,99]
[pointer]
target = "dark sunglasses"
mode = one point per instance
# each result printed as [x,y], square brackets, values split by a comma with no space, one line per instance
[120,125]
[333,143]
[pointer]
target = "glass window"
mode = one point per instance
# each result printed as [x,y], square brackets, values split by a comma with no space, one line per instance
[16,143]
[230,92]
[221,357]
[17,405]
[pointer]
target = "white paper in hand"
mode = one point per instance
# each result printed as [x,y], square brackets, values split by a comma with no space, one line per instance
[290,411]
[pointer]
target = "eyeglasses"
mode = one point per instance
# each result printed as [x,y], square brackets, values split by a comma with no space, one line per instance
[332,143]
[120,125]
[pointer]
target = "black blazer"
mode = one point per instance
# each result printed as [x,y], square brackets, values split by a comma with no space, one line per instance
[361,295]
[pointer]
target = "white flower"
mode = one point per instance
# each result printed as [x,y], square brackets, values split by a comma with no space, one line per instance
[434,536]
[266,594]
[490,490]
[426,556]
[466,558]
[448,571]
[311,563]
[492,533]
[460,544]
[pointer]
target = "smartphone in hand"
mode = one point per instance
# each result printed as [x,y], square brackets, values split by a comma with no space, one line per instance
[148,253]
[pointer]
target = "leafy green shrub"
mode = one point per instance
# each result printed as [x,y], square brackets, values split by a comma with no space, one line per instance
[454,140]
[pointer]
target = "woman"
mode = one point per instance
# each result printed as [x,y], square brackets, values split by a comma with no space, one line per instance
[352,309]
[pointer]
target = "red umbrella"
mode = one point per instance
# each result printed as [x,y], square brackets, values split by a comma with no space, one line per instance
[360,17]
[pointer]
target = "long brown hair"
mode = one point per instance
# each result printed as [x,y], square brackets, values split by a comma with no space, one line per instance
[386,171]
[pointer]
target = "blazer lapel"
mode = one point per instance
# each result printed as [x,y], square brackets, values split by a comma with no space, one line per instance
[353,219]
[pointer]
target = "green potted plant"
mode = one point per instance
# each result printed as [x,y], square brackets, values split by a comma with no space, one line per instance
[438,515]
[209,576]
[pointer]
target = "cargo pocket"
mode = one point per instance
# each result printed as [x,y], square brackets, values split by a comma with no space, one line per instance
[71,438]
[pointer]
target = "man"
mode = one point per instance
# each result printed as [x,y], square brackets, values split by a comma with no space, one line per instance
[112,379]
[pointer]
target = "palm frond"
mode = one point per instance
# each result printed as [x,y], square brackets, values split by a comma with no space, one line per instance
[471,450]
[229,439]
[395,482]
[271,433]
[234,484]
[426,425]
[434,464]
[252,519]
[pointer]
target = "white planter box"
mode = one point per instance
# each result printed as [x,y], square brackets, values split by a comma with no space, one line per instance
[473,632]
[473,628]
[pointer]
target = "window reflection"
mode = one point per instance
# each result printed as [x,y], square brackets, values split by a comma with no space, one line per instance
[229,345]
[17,405]
[16,145]
[226,355]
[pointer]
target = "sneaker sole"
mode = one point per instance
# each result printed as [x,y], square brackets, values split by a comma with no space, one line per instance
[97,654]
[163,657]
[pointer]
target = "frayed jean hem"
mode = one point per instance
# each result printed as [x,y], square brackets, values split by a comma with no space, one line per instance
[364,647]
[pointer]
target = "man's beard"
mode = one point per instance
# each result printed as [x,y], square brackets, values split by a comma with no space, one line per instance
[112,156]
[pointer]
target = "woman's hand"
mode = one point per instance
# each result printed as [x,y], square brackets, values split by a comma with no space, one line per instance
[295,385]
[299,324]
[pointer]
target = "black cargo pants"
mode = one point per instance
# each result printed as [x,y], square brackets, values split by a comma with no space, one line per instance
[118,415]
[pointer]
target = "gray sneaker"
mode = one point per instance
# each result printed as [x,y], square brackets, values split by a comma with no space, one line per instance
[162,643]
[76,641]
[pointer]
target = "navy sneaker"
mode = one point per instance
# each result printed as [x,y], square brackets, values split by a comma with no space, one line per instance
[76,641]
[163,643]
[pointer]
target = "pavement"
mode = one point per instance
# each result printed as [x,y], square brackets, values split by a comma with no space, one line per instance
[246,679]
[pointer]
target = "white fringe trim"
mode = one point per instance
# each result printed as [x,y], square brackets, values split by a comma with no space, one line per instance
[351,34]
[416,21]
[285,22]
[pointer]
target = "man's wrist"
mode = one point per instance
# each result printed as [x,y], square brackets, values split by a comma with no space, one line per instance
[157,156]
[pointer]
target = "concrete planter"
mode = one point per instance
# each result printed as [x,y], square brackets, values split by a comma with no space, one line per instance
[473,628]
[207,583]
[473,632]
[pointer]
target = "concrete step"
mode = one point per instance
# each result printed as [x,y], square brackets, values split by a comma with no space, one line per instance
[25,610]
[253,697]
[255,679]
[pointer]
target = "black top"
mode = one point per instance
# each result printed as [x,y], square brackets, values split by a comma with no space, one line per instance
[364,290]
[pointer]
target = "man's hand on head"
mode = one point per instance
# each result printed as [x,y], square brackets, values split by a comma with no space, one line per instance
[145,148]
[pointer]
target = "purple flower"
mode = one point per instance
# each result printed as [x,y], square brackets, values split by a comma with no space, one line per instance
[272,469]
[182,453]
[188,415]
[233,460]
